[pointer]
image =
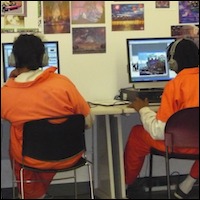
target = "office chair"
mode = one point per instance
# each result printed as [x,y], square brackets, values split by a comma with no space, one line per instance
[182,131]
[49,140]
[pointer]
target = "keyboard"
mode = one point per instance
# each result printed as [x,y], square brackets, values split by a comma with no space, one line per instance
[108,102]
[154,96]
[154,104]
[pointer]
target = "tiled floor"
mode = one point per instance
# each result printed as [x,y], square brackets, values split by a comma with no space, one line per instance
[65,191]
[59,191]
[141,194]
[139,190]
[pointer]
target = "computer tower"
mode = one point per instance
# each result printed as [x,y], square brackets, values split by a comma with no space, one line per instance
[153,94]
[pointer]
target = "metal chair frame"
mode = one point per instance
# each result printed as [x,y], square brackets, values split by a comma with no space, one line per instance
[72,141]
[182,131]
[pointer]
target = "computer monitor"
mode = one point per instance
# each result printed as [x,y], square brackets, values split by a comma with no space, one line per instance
[147,62]
[50,46]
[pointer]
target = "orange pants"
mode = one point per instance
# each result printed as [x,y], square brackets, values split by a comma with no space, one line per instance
[33,190]
[138,146]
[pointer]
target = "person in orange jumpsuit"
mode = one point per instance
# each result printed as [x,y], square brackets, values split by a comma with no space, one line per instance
[179,93]
[31,93]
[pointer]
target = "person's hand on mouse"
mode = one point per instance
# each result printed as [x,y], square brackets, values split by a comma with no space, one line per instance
[138,103]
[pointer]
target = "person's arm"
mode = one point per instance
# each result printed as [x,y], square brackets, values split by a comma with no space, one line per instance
[151,124]
[148,117]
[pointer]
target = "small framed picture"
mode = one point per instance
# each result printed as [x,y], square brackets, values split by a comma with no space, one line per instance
[13,8]
[162,4]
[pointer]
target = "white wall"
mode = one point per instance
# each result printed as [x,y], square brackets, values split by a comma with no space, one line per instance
[101,75]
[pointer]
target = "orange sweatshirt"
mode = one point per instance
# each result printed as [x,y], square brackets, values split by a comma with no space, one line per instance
[181,92]
[49,94]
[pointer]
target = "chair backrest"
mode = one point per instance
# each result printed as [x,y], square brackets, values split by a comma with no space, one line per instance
[55,138]
[182,129]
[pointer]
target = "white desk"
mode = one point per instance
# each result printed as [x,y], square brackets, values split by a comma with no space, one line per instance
[102,149]
[108,151]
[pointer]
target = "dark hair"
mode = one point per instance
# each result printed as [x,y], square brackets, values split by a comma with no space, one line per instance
[28,51]
[186,54]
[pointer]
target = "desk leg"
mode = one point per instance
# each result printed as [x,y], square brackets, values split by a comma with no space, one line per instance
[118,156]
[103,165]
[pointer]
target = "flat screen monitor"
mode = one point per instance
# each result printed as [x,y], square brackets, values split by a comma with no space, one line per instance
[147,62]
[50,46]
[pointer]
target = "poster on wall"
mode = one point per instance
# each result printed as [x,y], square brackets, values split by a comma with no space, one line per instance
[188,12]
[126,17]
[186,31]
[15,19]
[87,12]
[162,4]
[89,40]
[13,8]
[56,17]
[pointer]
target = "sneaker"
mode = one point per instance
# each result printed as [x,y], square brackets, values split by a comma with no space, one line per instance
[179,194]
[49,196]
[135,190]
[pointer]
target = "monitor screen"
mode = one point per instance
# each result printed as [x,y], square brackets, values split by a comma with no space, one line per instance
[147,62]
[50,46]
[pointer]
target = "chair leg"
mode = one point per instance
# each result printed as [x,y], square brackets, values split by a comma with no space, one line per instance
[168,174]
[91,181]
[150,173]
[22,182]
[13,178]
[75,185]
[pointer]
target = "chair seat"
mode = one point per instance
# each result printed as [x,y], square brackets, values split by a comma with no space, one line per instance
[80,163]
[174,155]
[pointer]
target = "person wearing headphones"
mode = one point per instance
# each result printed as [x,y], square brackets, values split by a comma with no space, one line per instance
[179,93]
[32,93]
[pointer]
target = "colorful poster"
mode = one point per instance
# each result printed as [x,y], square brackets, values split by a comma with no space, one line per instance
[13,21]
[186,31]
[162,4]
[87,12]
[56,17]
[126,17]
[14,8]
[188,12]
[89,40]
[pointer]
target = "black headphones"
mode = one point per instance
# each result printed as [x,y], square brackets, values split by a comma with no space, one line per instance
[12,61]
[172,63]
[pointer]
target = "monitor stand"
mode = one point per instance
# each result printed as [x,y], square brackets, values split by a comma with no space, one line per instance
[149,85]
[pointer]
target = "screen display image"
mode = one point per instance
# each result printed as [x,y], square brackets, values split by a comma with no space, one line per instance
[50,46]
[147,60]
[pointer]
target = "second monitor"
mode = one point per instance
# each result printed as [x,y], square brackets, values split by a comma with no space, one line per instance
[147,62]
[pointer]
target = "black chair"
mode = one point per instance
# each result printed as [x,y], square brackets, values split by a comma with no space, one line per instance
[49,140]
[182,131]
